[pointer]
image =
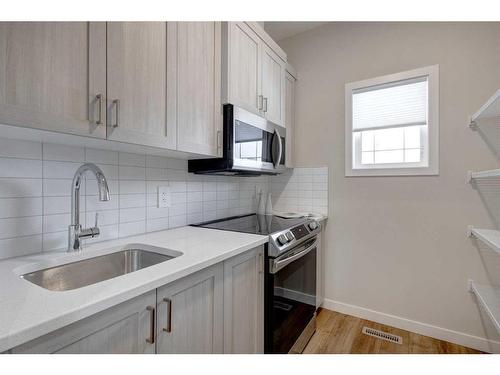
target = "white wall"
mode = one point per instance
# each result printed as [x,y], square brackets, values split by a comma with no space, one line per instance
[35,187]
[396,247]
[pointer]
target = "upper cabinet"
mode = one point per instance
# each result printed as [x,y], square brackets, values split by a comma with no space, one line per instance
[253,71]
[273,81]
[139,56]
[153,84]
[290,79]
[53,76]
[199,120]
[241,65]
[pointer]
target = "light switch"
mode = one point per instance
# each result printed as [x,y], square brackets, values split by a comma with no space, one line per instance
[163,196]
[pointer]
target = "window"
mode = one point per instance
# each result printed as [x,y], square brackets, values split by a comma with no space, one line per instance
[392,124]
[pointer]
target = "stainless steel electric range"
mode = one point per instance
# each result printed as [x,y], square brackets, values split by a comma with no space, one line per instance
[290,278]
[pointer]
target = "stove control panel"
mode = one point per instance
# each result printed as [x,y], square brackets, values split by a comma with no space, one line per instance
[288,238]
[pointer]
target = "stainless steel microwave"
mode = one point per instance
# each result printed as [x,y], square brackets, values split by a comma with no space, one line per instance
[251,145]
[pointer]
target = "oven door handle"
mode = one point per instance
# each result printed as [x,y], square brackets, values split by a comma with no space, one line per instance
[277,265]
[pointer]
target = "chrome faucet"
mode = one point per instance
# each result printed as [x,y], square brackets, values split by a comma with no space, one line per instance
[76,232]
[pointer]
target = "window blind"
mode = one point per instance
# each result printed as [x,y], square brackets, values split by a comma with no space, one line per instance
[402,103]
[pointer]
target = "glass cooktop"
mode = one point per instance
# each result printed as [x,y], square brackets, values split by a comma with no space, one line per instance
[253,223]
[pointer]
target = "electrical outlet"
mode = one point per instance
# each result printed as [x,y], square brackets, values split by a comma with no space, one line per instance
[163,196]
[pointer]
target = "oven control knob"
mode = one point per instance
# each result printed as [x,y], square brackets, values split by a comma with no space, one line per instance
[289,236]
[313,225]
[282,239]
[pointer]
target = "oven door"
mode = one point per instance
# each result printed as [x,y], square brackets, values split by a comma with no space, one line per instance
[290,296]
[257,143]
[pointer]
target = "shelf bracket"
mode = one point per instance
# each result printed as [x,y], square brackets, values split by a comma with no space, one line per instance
[469,177]
[469,286]
[472,124]
[469,231]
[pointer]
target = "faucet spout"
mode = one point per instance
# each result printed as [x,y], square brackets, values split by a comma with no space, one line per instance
[75,229]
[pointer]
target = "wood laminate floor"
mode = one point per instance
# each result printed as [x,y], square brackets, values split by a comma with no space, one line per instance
[338,333]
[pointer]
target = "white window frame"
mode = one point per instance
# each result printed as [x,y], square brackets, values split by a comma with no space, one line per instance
[398,169]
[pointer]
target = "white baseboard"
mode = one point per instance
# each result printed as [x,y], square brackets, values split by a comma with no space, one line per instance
[445,334]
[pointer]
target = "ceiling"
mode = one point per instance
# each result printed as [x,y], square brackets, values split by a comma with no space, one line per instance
[283,30]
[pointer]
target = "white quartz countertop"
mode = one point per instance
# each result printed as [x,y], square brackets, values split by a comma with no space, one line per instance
[28,311]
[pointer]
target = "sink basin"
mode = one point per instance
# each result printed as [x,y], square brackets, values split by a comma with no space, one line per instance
[93,270]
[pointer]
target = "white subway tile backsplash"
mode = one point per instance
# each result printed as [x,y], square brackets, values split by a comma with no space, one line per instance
[17,207]
[157,224]
[55,241]
[155,213]
[195,186]
[178,197]
[177,221]
[132,200]
[101,156]
[13,148]
[194,207]
[156,174]
[177,164]
[132,228]
[209,196]
[153,161]
[194,218]
[20,168]
[133,160]
[132,187]
[209,206]
[20,187]
[59,205]
[132,173]
[35,188]
[178,209]
[14,247]
[20,226]
[178,186]
[57,223]
[59,187]
[128,215]
[194,196]
[59,169]
[302,190]
[63,152]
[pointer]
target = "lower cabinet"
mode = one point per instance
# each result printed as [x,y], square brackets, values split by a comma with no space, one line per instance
[244,303]
[190,314]
[125,328]
[216,310]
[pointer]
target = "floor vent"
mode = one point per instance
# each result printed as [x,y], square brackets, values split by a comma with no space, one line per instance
[383,335]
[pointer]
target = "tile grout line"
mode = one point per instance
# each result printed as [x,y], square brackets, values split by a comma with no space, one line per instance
[43,200]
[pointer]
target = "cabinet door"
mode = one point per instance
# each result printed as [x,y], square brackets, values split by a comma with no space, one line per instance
[51,74]
[199,116]
[244,303]
[141,79]
[190,313]
[244,67]
[289,117]
[273,81]
[126,328]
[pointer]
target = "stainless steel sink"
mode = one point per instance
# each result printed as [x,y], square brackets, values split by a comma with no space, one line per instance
[93,270]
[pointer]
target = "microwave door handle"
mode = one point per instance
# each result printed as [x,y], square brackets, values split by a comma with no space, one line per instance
[277,265]
[280,149]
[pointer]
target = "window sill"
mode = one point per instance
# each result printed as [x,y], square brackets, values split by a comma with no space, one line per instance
[422,171]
